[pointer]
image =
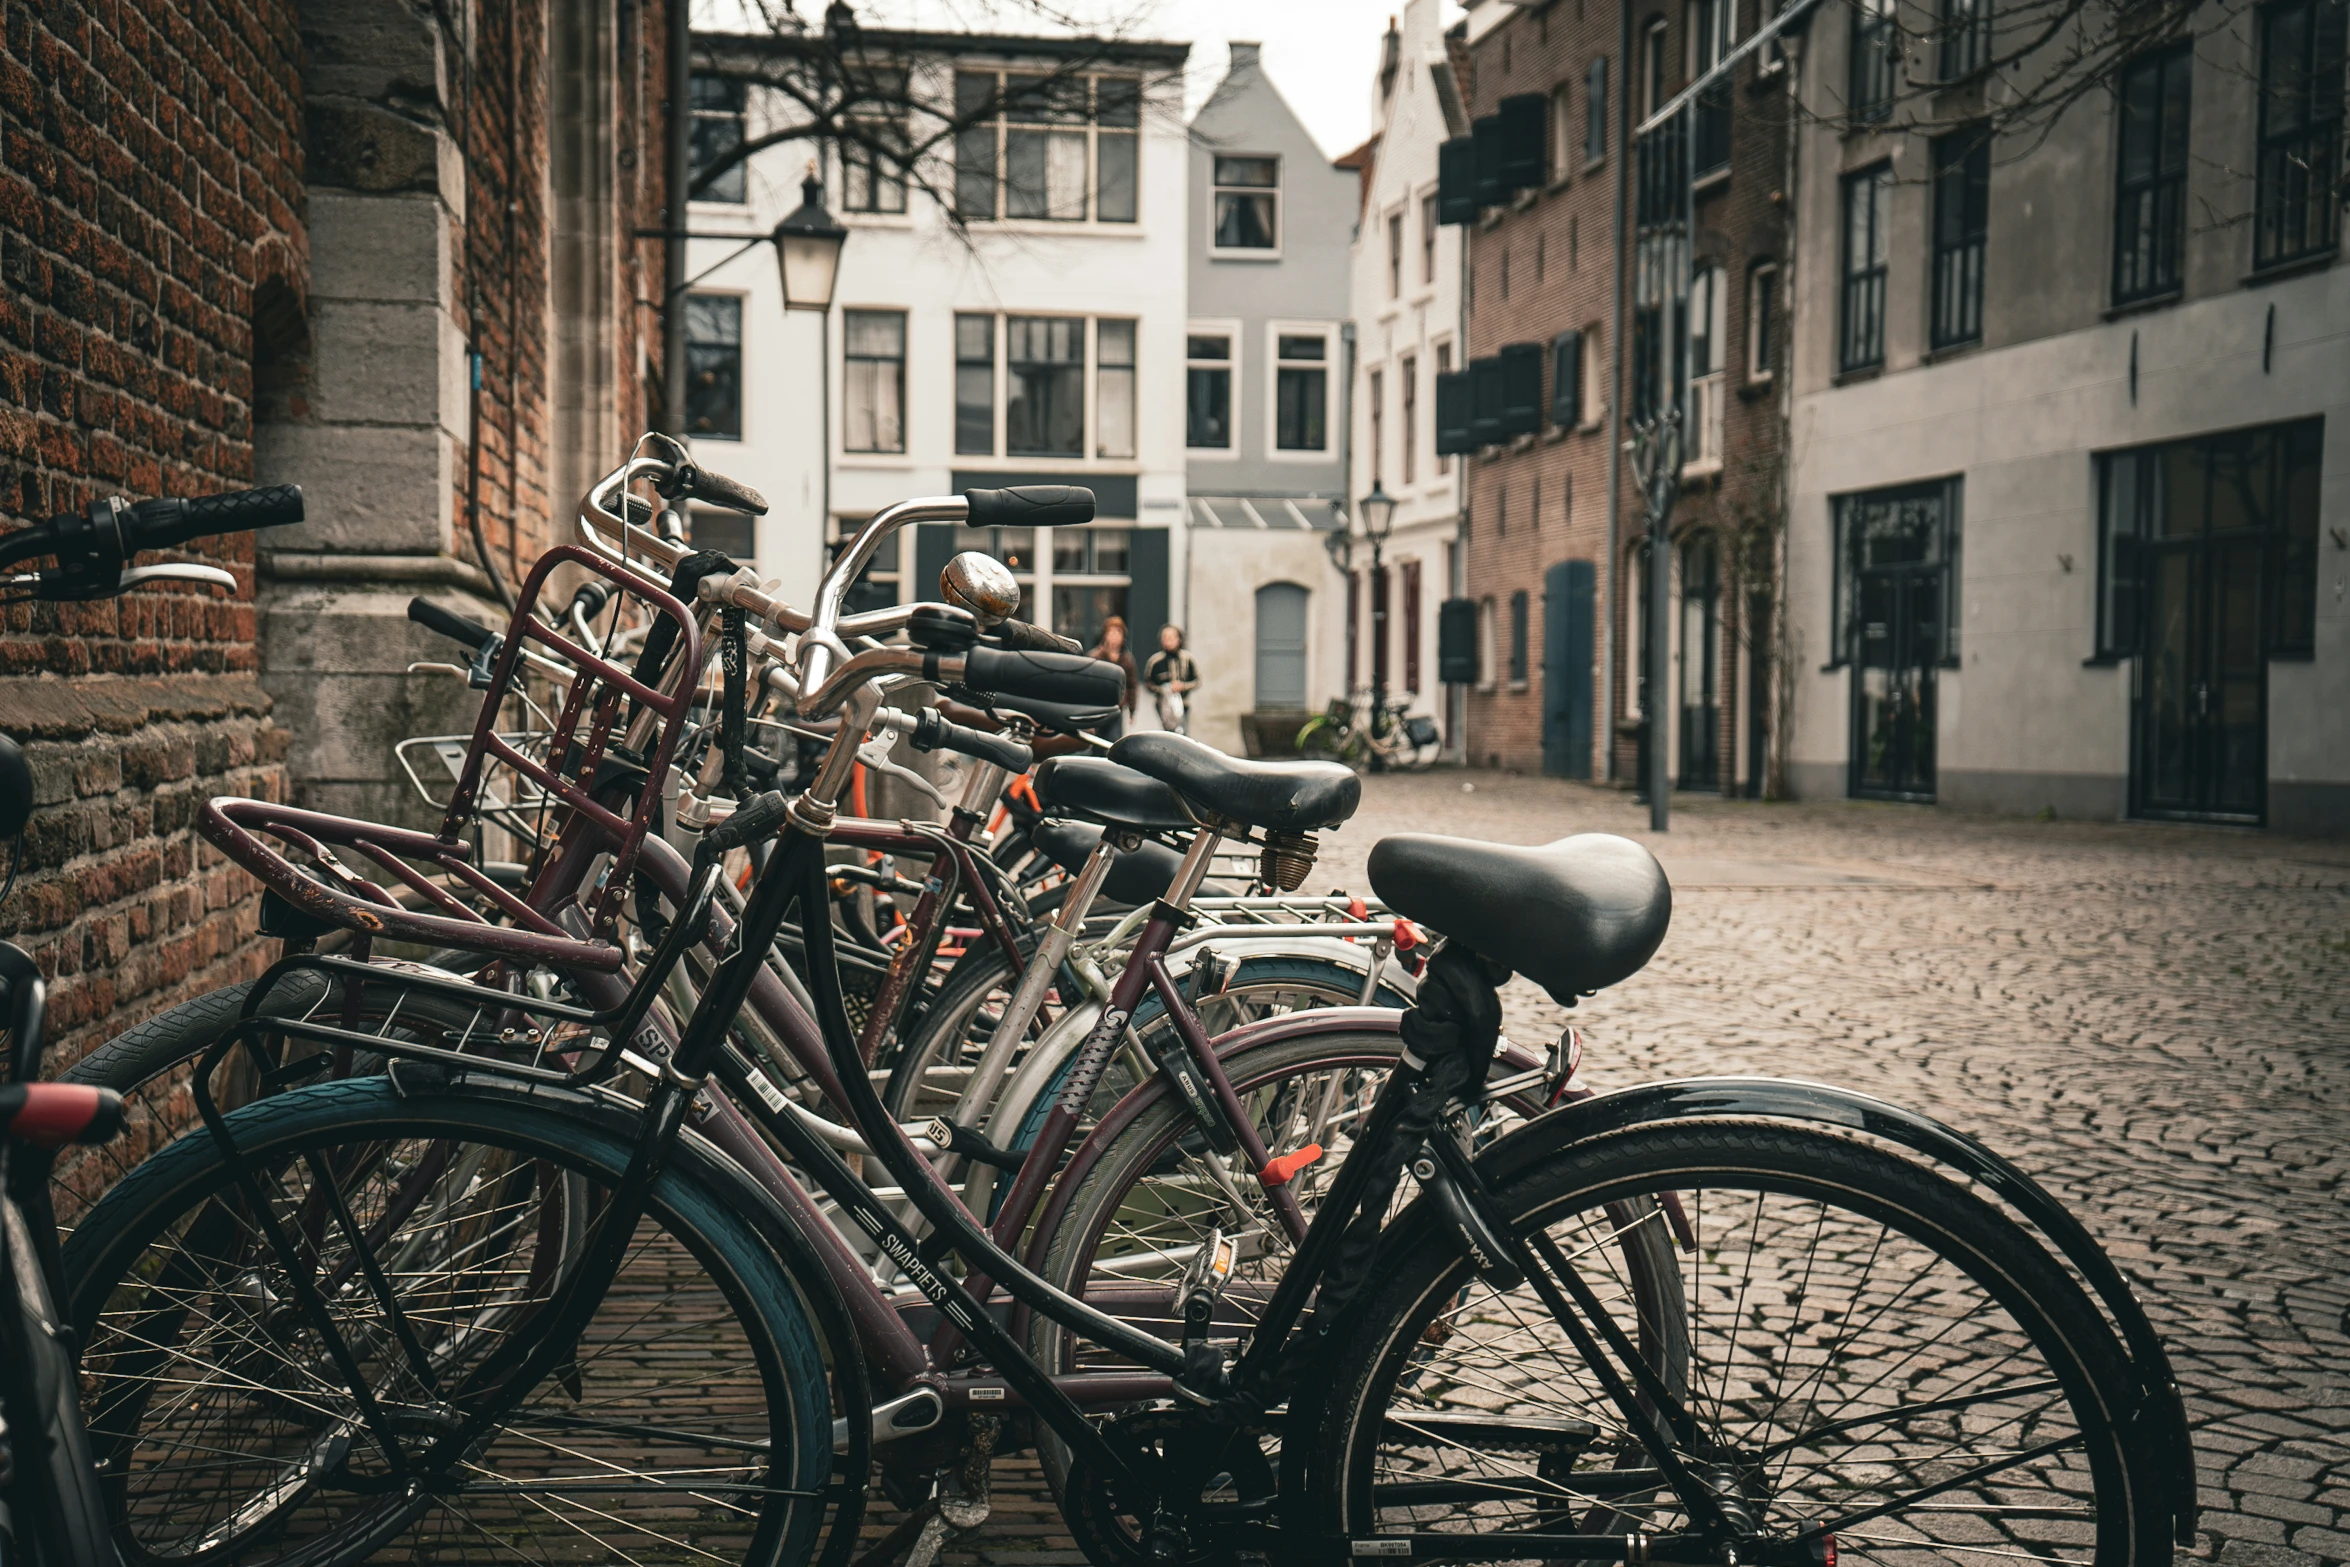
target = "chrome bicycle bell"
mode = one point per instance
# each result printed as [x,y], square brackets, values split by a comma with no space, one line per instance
[981,584]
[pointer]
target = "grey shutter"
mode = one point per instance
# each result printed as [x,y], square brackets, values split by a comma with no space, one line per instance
[1485,402]
[1456,181]
[1521,389]
[1566,380]
[1453,414]
[1146,593]
[1456,642]
[1492,187]
[1523,118]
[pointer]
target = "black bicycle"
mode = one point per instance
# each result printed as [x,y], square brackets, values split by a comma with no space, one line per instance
[1728,1321]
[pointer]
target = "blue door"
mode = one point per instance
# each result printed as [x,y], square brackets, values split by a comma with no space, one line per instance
[1566,669]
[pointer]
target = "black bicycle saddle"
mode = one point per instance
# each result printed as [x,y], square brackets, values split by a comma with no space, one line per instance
[1099,790]
[1282,796]
[1136,875]
[1573,916]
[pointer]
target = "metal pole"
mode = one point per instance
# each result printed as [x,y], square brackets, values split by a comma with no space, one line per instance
[679,177]
[1378,639]
[1619,361]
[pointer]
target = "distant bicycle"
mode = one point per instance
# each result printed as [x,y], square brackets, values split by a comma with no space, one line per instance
[1370,738]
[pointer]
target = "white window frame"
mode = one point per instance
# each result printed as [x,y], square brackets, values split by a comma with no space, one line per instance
[1595,371]
[1562,129]
[1091,439]
[1280,214]
[1233,333]
[1093,389]
[904,453]
[1756,372]
[1327,331]
[1003,124]
[1431,239]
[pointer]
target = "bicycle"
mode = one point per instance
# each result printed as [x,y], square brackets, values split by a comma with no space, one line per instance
[1647,1467]
[1367,737]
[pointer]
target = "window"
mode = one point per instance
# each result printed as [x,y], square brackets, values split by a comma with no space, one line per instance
[1705,373]
[1562,133]
[2257,486]
[1044,401]
[1486,663]
[877,587]
[1057,148]
[1207,391]
[1301,391]
[975,385]
[873,392]
[873,143]
[1962,215]
[1091,581]
[1248,204]
[1595,111]
[1710,27]
[2150,207]
[1505,270]
[1411,624]
[1428,227]
[1395,255]
[1652,68]
[1566,380]
[1443,368]
[1409,375]
[1518,607]
[1762,323]
[1861,328]
[717,104]
[1113,374]
[1281,647]
[714,367]
[2298,212]
[1773,57]
[1915,526]
[1876,46]
[1376,399]
[1966,38]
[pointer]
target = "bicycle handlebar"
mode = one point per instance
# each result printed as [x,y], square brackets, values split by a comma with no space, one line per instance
[1034,639]
[457,628]
[1030,506]
[933,732]
[697,483]
[162,524]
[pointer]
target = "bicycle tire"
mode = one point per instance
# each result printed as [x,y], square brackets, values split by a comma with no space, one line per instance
[118,1272]
[1367,1461]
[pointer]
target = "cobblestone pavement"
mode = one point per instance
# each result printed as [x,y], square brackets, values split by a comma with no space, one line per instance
[2154,1020]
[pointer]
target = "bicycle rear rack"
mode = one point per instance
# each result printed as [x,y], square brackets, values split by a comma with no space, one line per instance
[583,760]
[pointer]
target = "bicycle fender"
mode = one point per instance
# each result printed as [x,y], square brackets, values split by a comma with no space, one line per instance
[2160,1421]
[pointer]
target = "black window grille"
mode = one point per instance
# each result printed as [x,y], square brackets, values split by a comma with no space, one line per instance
[1860,338]
[716,134]
[2299,207]
[1962,215]
[2150,175]
[1876,53]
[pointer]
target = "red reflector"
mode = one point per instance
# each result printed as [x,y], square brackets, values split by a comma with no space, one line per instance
[1278,1171]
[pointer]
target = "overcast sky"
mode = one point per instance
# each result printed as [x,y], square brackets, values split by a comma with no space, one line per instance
[1320,53]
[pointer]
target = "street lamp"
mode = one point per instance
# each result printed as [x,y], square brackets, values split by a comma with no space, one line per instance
[1378,509]
[807,250]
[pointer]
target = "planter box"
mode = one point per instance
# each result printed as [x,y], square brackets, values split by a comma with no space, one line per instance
[1272,734]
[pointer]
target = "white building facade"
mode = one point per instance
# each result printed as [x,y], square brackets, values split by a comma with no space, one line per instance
[1404,291]
[1012,313]
[2069,521]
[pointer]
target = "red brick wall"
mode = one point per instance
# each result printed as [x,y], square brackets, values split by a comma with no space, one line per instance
[150,183]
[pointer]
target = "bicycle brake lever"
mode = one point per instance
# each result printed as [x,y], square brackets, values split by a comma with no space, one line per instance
[179,571]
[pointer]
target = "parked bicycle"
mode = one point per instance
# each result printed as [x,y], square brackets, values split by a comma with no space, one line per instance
[1369,737]
[478,1297]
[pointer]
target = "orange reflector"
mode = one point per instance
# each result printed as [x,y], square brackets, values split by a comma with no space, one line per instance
[1278,1171]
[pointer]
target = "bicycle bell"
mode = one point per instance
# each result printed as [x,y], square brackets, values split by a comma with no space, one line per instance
[981,584]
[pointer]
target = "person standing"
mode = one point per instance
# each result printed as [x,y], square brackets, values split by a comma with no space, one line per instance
[1171,676]
[1112,649]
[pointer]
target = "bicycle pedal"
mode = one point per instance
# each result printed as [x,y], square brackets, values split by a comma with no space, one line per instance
[1204,1278]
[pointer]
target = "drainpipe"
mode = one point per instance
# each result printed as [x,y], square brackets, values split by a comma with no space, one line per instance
[1615,401]
[1346,471]
[679,175]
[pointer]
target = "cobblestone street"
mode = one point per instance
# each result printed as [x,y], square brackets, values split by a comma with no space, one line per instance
[2153,1020]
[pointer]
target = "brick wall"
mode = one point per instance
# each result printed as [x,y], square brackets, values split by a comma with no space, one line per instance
[150,191]
[1542,265]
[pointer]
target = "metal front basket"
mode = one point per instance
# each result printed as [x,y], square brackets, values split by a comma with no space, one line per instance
[591,781]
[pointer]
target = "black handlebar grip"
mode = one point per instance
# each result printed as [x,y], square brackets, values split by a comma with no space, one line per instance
[449,624]
[591,598]
[762,816]
[1035,639]
[1054,677]
[161,524]
[1030,506]
[933,732]
[701,484]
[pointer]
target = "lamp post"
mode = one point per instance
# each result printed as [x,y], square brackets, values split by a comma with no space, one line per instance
[807,254]
[1378,510]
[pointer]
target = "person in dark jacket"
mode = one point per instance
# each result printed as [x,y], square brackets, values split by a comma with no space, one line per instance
[1111,649]
[1171,677]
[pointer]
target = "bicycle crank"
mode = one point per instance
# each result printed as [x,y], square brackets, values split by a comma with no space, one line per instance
[1215,1494]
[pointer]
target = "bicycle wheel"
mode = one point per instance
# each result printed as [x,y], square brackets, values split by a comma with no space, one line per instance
[51,1514]
[148,1064]
[693,1422]
[1882,1367]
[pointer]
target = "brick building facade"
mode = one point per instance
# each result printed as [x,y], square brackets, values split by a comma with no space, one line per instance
[1557,585]
[261,241]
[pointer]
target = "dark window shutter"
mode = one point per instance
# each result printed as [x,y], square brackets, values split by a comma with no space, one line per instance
[1566,380]
[1456,181]
[1453,414]
[1521,389]
[1485,398]
[1456,642]
[1524,119]
[1146,597]
[1492,188]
